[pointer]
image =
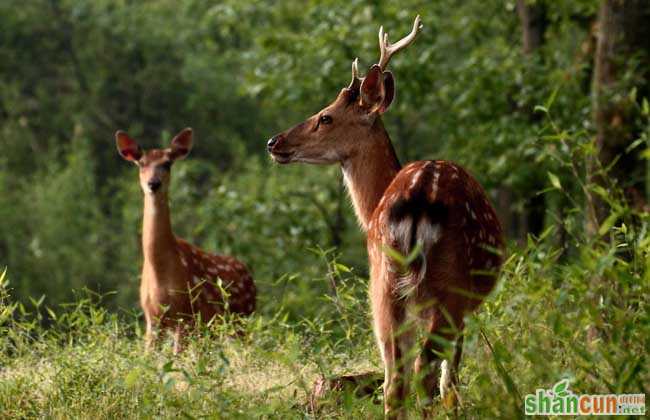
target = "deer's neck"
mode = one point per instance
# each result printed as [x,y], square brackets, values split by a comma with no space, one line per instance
[158,241]
[368,173]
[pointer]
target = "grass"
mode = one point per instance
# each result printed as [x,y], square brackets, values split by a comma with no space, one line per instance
[584,318]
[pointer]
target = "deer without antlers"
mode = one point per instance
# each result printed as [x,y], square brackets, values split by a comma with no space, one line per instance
[179,281]
[434,206]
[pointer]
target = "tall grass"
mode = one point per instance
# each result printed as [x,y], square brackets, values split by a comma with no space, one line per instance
[541,325]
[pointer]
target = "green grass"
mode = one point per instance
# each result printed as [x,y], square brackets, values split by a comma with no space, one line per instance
[584,318]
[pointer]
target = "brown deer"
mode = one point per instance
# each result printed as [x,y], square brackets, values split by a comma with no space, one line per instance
[179,282]
[435,207]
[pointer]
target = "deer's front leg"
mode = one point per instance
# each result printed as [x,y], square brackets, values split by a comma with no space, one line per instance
[180,331]
[151,334]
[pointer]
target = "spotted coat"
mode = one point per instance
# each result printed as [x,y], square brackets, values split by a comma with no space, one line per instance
[209,274]
[466,239]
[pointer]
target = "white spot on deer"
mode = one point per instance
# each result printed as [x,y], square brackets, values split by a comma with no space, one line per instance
[416,178]
[434,187]
[467,206]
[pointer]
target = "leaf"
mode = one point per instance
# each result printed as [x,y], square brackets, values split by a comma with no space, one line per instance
[645,154]
[51,313]
[415,253]
[168,367]
[551,99]
[602,192]
[632,94]
[394,254]
[636,143]
[555,181]
[342,268]
[132,378]
[608,223]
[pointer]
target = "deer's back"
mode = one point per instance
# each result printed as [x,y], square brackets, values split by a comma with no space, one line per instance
[441,207]
[210,274]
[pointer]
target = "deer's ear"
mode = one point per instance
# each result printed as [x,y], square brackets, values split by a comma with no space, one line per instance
[372,89]
[127,147]
[181,144]
[389,91]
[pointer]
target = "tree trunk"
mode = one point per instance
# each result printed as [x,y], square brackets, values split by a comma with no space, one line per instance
[532,17]
[533,24]
[621,63]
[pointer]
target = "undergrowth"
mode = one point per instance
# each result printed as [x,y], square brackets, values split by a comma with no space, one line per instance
[585,319]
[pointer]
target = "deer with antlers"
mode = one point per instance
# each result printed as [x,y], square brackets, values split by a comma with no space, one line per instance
[180,282]
[435,208]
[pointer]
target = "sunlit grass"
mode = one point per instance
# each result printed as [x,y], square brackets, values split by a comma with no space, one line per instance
[537,328]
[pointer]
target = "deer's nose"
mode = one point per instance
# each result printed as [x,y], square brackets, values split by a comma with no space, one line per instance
[154,184]
[272,142]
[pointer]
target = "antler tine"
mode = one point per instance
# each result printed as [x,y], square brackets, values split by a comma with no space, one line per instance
[387,49]
[355,74]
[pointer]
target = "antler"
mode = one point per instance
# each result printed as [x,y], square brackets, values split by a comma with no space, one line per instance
[387,49]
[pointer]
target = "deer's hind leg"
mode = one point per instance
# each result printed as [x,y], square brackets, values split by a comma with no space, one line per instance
[395,338]
[437,376]
[151,334]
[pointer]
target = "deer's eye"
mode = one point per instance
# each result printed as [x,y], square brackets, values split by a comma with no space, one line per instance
[325,119]
[167,165]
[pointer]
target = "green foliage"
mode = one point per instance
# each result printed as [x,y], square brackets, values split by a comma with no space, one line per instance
[71,73]
[237,72]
